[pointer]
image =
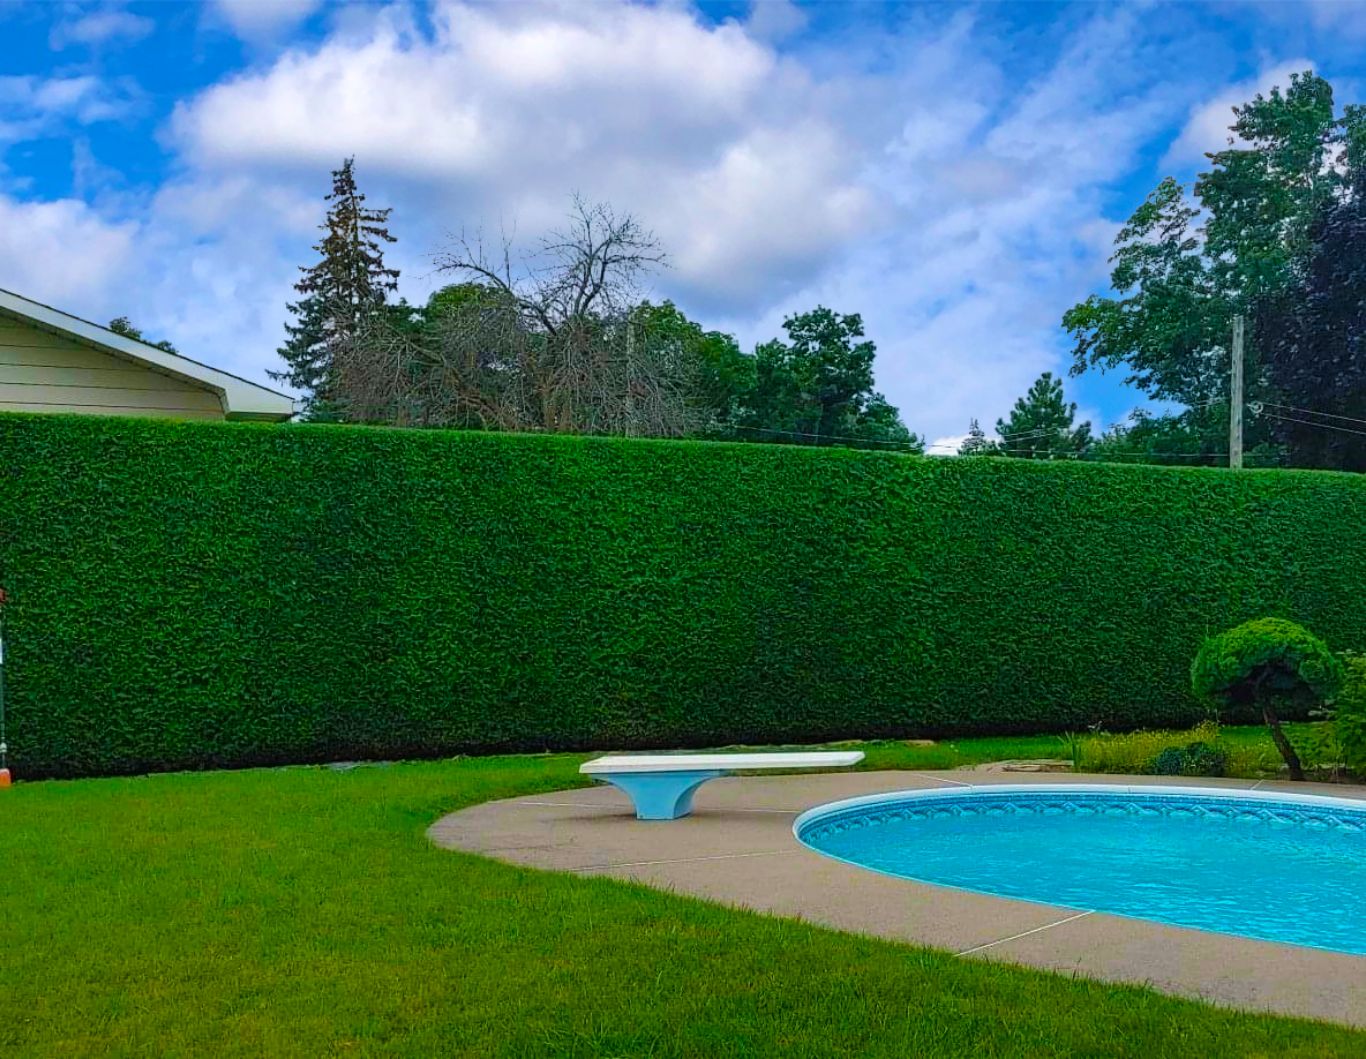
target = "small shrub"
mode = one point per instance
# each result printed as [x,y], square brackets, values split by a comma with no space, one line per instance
[1171,762]
[1271,663]
[1350,714]
[1206,760]
[1193,759]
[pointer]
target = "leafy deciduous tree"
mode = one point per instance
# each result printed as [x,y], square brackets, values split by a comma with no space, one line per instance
[1313,337]
[1184,268]
[817,387]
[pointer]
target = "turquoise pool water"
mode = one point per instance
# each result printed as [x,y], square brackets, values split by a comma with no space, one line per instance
[1276,867]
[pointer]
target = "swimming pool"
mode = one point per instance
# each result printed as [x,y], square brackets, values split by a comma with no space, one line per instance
[1274,866]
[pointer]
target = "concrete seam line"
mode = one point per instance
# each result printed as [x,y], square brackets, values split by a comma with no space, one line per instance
[1025,934]
[1256,785]
[942,779]
[576,805]
[616,808]
[688,860]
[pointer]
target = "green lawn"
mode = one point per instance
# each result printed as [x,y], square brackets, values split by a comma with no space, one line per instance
[302,912]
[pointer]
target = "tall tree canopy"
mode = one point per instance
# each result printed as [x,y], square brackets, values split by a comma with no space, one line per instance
[342,293]
[556,339]
[1183,267]
[1040,426]
[721,374]
[817,387]
[562,340]
[591,267]
[1167,438]
[1313,342]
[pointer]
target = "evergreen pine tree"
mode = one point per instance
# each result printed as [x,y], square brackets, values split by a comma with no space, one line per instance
[976,443]
[340,293]
[1040,424]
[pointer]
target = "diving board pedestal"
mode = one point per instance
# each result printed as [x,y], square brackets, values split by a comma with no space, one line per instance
[661,786]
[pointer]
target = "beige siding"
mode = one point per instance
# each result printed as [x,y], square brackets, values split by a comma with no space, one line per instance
[43,372]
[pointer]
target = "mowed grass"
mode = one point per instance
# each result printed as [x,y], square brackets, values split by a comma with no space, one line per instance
[302,912]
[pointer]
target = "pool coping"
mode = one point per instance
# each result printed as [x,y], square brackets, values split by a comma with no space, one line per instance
[739,848]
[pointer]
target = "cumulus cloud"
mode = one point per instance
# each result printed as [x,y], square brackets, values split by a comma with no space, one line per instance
[62,251]
[993,218]
[704,132]
[209,266]
[107,26]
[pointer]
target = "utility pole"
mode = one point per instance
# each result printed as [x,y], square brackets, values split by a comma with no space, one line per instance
[630,378]
[1235,399]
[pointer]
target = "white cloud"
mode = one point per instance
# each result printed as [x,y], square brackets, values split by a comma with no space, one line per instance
[105,26]
[947,444]
[1207,127]
[911,175]
[258,20]
[715,142]
[63,252]
[495,88]
[1339,16]
[995,223]
[35,106]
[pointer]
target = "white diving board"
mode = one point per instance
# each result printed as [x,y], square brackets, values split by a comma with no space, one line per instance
[661,786]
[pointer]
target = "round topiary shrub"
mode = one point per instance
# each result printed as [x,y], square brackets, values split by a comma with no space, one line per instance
[1269,663]
[1350,713]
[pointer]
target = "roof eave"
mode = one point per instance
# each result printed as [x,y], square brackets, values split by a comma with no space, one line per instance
[241,398]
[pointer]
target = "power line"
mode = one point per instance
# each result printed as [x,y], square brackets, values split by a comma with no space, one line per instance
[1103,456]
[1311,423]
[828,437]
[1307,411]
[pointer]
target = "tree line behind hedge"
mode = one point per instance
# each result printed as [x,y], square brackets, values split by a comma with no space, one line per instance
[560,339]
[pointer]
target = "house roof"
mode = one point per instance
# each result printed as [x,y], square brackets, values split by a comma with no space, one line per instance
[241,399]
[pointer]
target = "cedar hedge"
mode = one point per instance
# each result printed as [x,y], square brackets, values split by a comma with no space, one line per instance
[1350,713]
[191,595]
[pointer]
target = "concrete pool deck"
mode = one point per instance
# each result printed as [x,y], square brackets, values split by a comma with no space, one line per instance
[737,848]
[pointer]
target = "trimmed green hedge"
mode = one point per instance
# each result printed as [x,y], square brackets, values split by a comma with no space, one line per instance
[187,595]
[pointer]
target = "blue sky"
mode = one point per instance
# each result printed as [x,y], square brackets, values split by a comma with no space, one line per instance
[954,172]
